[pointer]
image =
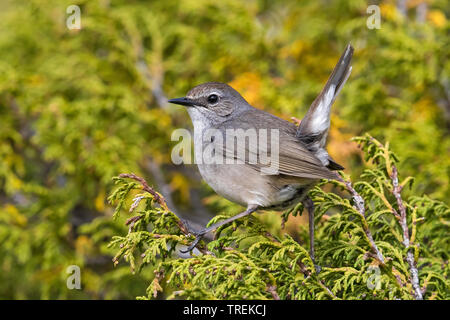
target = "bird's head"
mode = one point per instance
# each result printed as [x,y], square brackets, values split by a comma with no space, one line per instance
[212,99]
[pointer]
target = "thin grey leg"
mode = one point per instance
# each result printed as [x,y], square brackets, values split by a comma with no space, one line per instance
[199,235]
[309,205]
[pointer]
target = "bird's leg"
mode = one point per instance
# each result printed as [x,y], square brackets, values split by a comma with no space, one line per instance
[309,205]
[199,235]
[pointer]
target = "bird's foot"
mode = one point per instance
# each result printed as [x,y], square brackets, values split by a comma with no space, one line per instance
[318,268]
[198,236]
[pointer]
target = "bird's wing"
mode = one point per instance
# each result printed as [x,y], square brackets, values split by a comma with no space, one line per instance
[295,160]
[282,148]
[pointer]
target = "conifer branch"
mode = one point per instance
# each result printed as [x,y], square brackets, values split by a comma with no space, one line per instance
[161,201]
[360,207]
[248,262]
[396,191]
[156,196]
[401,216]
[273,291]
[306,272]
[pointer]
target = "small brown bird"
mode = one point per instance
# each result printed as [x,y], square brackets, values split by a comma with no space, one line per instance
[299,154]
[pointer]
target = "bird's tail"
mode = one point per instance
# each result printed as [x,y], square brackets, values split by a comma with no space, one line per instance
[313,129]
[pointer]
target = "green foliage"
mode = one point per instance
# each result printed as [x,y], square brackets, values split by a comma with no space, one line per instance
[362,247]
[80,106]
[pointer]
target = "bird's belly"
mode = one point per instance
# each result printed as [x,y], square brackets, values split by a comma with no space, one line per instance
[289,196]
[245,186]
[226,180]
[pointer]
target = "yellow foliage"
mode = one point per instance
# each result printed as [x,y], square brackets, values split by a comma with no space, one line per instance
[389,11]
[36,80]
[16,217]
[249,85]
[83,245]
[43,275]
[294,49]
[437,18]
[100,201]
[340,145]
[14,182]
[181,184]
[425,109]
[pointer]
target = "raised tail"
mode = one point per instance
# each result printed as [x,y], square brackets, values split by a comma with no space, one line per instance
[313,129]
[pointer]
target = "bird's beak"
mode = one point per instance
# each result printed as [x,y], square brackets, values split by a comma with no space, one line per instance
[183,101]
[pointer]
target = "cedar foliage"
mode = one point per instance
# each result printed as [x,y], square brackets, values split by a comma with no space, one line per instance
[79,106]
[363,246]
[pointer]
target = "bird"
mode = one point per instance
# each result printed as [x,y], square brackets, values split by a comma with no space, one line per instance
[299,153]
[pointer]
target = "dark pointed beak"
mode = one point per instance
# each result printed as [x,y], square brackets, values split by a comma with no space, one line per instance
[183,101]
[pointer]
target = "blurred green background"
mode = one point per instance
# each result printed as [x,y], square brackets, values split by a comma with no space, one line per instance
[78,107]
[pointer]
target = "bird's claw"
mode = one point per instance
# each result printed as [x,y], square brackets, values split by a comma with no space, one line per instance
[318,268]
[198,237]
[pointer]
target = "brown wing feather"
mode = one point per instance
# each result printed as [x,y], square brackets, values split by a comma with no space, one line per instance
[294,158]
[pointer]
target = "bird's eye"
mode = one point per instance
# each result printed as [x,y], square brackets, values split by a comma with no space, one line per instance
[212,98]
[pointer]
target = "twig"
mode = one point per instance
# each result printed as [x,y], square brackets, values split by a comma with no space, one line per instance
[158,198]
[273,291]
[360,207]
[131,221]
[161,201]
[396,191]
[401,217]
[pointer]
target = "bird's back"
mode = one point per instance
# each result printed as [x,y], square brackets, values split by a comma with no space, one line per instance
[288,132]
